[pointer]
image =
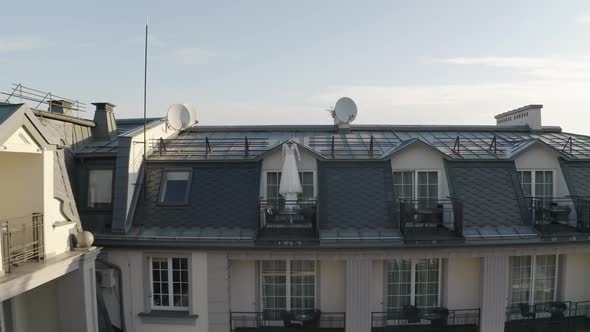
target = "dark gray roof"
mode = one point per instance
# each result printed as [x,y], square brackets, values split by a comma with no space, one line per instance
[367,142]
[355,196]
[222,195]
[490,192]
[126,125]
[577,177]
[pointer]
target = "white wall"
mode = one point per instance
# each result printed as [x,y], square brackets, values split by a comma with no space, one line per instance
[243,286]
[576,270]
[463,283]
[378,296]
[37,309]
[274,163]
[332,286]
[542,158]
[133,264]
[420,157]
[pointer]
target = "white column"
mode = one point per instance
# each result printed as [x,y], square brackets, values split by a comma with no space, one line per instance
[218,292]
[494,293]
[358,295]
[77,297]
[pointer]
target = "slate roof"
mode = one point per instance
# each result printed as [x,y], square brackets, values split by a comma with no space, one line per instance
[490,192]
[369,142]
[577,177]
[222,195]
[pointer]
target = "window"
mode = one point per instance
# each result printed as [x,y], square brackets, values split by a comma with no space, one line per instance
[536,183]
[413,281]
[100,188]
[532,279]
[287,285]
[273,182]
[175,187]
[416,185]
[169,283]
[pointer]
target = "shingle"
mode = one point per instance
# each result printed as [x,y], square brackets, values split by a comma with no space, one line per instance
[577,177]
[490,191]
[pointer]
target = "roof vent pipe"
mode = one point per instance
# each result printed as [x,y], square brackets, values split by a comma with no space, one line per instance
[104,118]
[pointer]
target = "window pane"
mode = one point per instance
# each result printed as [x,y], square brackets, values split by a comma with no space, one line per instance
[545,275]
[399,282]
[544,184]
[302,285]
[403,185]
[526,182]
[274,291]
[100,188]
[175,186]
[427,283]
[427,188]
[520,275]
[161,267]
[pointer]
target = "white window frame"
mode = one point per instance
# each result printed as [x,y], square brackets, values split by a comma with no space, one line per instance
[264,181]
[288,282]
[164,185]
[534,178]
[531,299]
[169,307]
[415,179]
[413,280]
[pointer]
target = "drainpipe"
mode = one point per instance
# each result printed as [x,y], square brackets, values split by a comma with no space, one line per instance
[120,282]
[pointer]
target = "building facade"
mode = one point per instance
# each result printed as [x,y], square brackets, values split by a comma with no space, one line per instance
[452,228]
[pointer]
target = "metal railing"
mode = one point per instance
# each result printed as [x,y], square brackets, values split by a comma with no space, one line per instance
[22,240]
[249,321]
[279,216]
[466,319]
[551,215]
[546,316]
[431,215]
[24,93]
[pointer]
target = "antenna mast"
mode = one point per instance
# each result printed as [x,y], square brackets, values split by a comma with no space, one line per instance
[144,104]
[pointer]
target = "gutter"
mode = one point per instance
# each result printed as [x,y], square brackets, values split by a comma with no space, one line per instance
[120,282]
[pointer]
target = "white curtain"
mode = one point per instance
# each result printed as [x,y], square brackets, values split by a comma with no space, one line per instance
[100,187]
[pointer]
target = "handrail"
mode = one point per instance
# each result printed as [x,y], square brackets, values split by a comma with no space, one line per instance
[456,317]
[22,239]
[257,319]
[423,214]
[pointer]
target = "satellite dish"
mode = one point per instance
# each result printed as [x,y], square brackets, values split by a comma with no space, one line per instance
[345,110]
[193,112]
[179,116]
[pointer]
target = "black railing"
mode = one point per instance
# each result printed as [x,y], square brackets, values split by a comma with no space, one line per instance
[22,239]
[558,316]
[431,216]
[440,319]
[555,215]
[290,218]
[252,321]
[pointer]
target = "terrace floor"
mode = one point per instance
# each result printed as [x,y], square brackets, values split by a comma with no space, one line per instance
[429,234]
[426,328]
[574,324]
[559,230]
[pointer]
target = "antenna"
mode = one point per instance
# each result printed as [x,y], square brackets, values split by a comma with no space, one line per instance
[144,105]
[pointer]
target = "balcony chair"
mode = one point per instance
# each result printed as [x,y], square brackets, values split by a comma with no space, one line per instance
[443,313]
[291,319]
[411,313]
[526,311]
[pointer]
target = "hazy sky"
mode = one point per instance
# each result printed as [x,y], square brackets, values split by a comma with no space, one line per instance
[246,62]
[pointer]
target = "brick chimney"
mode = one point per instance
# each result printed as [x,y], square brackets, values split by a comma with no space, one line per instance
[104,118]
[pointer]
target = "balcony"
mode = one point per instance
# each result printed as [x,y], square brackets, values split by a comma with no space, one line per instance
[550,317]
[284,221]
[431,220]
[22,239]
[558,217]
[309,321]
[437,319]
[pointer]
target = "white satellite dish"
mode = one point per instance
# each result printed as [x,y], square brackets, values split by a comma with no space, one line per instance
[179,116]
[193,111]
[345,110]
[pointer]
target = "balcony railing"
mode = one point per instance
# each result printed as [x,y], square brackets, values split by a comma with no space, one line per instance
[22,240]
[439,319]
[564,216]
[558,316]
[259,321]
[288,220]
[431,219]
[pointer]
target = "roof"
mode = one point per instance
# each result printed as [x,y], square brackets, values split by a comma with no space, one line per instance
[126,125]
[366,142]
[577,177]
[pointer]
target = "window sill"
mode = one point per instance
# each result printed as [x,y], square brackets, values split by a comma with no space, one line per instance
[168,314]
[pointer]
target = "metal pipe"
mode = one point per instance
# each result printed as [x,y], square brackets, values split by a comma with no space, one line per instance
[120,282]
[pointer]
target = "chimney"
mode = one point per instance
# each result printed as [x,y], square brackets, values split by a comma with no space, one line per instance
[529,115]
[104,118]
[61,106]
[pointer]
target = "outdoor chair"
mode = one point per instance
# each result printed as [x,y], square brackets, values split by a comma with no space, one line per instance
[411,313]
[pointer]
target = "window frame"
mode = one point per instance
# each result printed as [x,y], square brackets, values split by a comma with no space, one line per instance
[413,262]
[163,181]
[531,299]
[150,285]
[301,171]
[87,198]
[534,180]
[288,283]
[415,172]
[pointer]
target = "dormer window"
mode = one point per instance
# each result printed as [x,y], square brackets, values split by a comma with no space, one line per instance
[536,183]
[273,182]
[421,186]
[175,187]
[100,188]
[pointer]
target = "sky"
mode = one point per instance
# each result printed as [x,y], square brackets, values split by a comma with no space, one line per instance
[287,62]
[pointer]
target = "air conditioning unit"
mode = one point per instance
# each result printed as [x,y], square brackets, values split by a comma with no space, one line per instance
[105,278]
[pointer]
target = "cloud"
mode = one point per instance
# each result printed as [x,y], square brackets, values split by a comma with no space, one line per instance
[191,55]
[552,67]
[583,19]
[22,43]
